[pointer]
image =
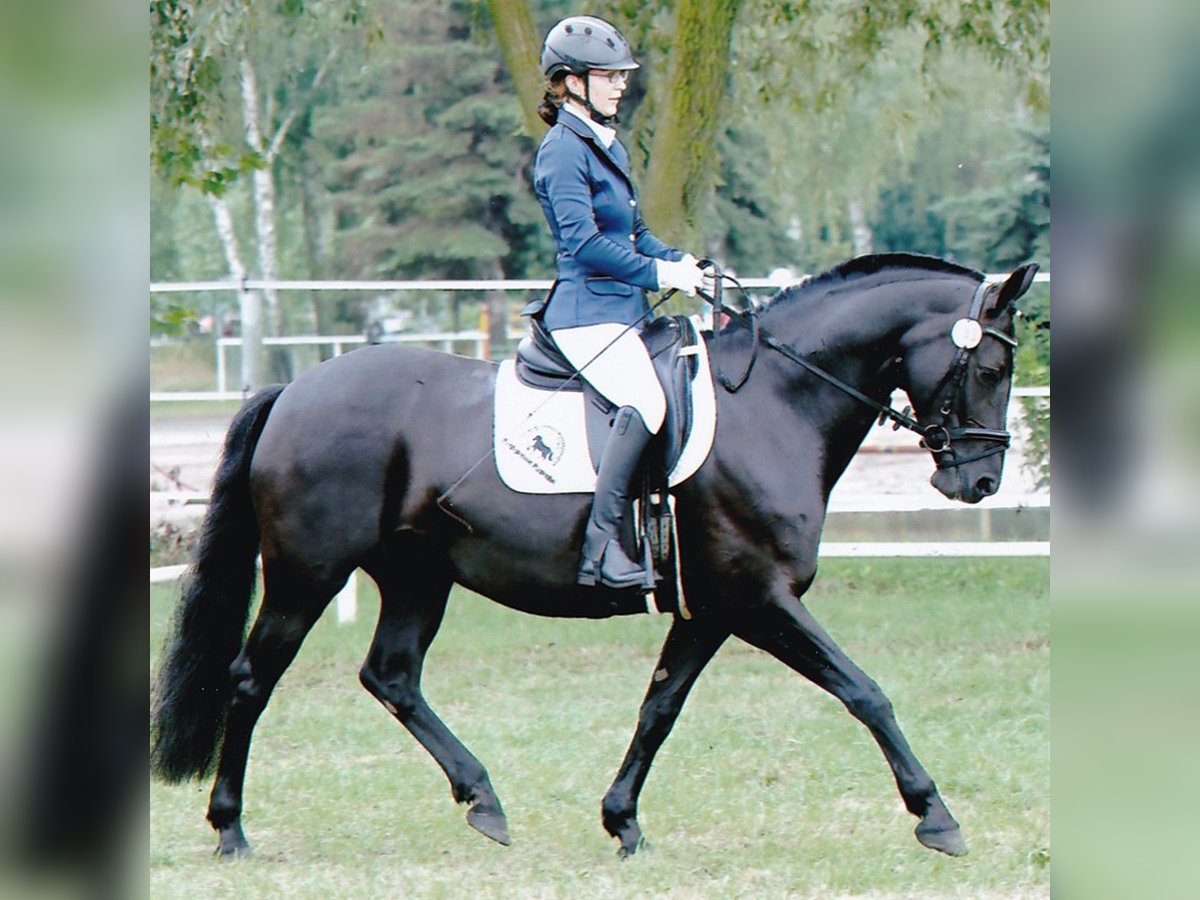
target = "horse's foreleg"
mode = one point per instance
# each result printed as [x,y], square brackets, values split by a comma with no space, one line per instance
[788,632]
[688,648]
[288,613]
[410,614]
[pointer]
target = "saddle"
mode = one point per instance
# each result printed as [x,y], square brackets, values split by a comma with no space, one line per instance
[672,344]
[674,347]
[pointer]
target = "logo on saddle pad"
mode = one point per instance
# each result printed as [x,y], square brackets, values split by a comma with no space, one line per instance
[541,448]
[547,442]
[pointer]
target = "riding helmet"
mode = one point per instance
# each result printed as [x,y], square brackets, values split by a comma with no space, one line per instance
[579,43]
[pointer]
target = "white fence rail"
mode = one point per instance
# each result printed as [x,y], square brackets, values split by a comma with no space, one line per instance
[445,340]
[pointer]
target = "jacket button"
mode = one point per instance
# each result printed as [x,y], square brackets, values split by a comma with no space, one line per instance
[633,237]
[632,202]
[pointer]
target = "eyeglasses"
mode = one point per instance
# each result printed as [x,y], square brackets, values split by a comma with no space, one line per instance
[617,77]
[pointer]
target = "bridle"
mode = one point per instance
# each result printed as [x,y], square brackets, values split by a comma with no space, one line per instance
[967,334]
[937,437]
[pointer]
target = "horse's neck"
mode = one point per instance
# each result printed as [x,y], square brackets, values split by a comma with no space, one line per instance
[853,332]
[846,323]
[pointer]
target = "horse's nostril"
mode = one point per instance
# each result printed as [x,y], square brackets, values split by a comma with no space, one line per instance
[986,485]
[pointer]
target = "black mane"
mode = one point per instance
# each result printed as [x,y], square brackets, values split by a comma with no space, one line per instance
[871,264]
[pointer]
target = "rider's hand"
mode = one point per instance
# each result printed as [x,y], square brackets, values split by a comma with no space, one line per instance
[683,275]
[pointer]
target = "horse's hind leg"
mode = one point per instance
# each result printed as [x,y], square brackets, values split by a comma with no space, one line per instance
[688,648]
[413,600]
[291,604]
[787,630]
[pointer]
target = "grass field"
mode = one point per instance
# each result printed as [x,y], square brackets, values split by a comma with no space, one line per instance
[766,788]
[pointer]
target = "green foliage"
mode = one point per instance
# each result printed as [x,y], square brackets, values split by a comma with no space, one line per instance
[195,49]
[748,227]
[1007,222]
[427,168]
[186,91]
[169,316]
[820,47]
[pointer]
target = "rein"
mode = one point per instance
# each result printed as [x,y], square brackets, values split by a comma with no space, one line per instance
[938,439]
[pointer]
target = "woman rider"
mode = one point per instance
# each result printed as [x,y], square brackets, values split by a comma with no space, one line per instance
[606,260]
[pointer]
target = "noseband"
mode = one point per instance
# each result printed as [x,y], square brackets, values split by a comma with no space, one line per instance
[936,437]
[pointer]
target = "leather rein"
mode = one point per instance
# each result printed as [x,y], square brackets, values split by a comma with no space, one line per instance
[936,437]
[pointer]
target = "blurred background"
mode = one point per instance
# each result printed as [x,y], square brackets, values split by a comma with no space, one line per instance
[1126,446]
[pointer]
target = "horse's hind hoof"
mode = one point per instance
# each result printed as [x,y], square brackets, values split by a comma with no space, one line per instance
[945,840]
[233,844]
[641,845]
[490,823]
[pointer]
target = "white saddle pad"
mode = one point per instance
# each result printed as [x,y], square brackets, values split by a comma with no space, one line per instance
[541,438]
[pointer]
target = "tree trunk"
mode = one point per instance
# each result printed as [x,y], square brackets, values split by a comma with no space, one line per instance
[521,47]
[264,192]
[683,152]
[314,243]
[263,181]
[249,302]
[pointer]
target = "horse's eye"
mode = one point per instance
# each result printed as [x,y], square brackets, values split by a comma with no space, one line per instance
[989,377]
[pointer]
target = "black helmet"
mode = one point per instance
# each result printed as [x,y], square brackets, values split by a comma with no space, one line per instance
[579,43]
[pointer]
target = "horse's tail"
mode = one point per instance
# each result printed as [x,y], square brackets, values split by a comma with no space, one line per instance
[192,687]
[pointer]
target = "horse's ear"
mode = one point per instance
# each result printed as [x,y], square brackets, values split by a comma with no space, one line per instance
[1014,288]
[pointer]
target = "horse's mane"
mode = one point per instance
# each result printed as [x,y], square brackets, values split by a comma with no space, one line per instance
[872,264]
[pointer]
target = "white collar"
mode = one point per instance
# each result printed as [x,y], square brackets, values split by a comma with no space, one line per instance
[607,135]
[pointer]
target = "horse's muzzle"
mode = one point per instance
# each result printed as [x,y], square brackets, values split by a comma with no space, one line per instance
[960,484]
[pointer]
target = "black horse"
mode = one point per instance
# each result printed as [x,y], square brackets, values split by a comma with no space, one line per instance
[349,466]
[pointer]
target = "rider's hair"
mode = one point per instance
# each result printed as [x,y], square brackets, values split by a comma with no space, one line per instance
[552,99]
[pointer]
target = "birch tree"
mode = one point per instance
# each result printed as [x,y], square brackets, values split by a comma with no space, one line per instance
[204,83]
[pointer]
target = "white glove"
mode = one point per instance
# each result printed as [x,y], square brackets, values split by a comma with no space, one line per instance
[683,275]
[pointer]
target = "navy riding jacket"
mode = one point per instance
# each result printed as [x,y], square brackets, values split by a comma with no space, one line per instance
[605,258]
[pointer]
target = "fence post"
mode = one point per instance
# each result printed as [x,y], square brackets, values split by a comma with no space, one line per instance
[221,375]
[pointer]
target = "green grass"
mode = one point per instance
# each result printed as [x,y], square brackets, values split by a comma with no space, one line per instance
[766,788]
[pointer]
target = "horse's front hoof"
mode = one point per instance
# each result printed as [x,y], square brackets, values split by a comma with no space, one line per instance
[490,822]
[944,839]
[641,845]
[626,830]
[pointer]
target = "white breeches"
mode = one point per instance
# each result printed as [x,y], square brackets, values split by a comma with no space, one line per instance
[622,373]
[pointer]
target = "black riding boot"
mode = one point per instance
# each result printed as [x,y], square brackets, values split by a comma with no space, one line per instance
[604,559]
